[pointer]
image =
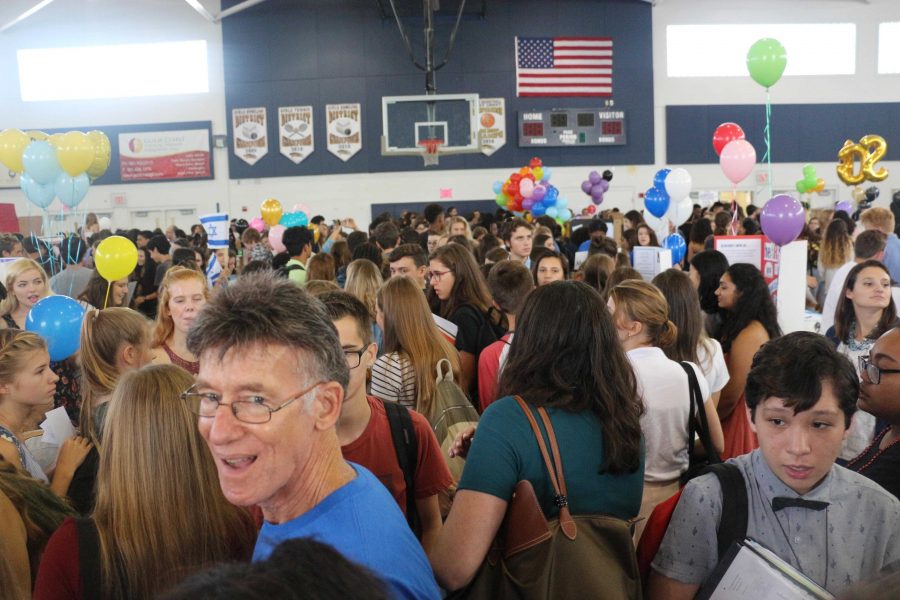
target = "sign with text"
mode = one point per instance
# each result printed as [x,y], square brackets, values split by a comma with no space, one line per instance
[491,124]
[343,126]
[295,132]
[251,142]
[757,250]
[164,155]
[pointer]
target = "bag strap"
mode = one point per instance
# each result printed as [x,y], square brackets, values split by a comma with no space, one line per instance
[735,506]
[406,447]
[88,557]
[554,469]
[697,407]
[443,375]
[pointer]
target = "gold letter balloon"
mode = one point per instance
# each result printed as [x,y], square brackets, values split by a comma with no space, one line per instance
[869,150]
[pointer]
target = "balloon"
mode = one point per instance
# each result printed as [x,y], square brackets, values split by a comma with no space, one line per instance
[594,177]
[535,163]
[75,152]
[656,202]
[526,187]
[591,209]
[678,185]
[766,61]
[539,192]
[271,211]
[105,223]
[102,154]
[39,160]
[300,207]
[604,185]
[71,190]
[679,212]
[782,219]
[527,203]
[725,133]
[872,193]
[597,194]
[12,144]
[587,186]
[524,171]
[849,153]
[737,160]
[876,148]
[40,195]
[547,174]
[539,209]
[820,185]
[607,175]
[563,214]
[35,136]
[538,173]
[275,235]
[294,219]
[561,203]
[258,224]
[844,207]
[498,187]
[675,242]
[57,319]
[501,200]
[552,212]
[115,258]
[659,180]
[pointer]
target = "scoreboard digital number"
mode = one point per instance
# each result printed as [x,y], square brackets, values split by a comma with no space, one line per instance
[572,127]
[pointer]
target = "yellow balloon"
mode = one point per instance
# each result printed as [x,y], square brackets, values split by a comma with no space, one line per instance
[271,211]
[876,148]
[56,140]
[36,136]
[75,153]
[12,144]
[847,156]
[115,258]
[102,153]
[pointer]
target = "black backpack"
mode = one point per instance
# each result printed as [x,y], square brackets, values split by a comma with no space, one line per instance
[285,271]
[406,445]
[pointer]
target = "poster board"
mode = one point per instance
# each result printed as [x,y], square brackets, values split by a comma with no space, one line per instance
[650,261]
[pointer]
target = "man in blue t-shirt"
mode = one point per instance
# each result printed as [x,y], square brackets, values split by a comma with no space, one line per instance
[271,360]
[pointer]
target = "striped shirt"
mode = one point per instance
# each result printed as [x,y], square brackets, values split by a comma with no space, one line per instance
[394,379]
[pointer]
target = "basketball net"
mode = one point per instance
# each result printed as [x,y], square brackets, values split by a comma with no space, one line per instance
[431,151]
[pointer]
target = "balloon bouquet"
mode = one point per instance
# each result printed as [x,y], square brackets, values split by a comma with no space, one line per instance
[529,189]
[278,221]
[595,186]
[669,201]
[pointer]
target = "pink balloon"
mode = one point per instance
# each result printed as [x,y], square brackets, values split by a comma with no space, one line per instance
[737,160]
[258,224]
[526,188]
[275,235]
[300,207]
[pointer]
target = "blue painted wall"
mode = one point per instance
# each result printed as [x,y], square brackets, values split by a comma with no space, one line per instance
[318,52]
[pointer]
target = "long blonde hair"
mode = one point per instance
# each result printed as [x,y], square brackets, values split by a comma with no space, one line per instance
[643,302]
[103,333]
[164,323]
[13,271]
[409,329]
[363,281]
[160,512]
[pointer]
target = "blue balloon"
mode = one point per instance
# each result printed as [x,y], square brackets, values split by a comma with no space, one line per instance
[41,195]
[57,319]
[551,195]
[40,162]
[547,174]
[538,209]
[656,202]
[294,219]
[659,180]
[498,187]
[677,245]
[552,212]
[71,190]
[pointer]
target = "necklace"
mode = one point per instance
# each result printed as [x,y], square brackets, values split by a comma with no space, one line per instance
[874,444]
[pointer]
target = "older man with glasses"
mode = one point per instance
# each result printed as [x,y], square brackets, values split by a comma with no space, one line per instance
[272,382]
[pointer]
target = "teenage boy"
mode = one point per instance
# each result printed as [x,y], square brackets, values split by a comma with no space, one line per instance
[510,282]
[517,235]
[835,526]
[434,215]
[409,260]
[159,248]
[298,243]
[882,219]
[74,279]
[364,430]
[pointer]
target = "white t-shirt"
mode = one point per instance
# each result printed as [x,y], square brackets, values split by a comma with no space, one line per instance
[714,368]
[663,386]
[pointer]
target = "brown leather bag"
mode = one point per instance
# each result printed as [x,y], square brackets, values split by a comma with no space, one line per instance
[532,558]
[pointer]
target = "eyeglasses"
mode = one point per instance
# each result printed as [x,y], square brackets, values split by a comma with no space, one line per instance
[436,275]
[255,411]
[354,357]
[872,371]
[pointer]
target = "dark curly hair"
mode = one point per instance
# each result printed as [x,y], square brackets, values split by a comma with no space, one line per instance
[754,303]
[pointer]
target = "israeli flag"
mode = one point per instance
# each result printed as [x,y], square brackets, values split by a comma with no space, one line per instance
[213,270]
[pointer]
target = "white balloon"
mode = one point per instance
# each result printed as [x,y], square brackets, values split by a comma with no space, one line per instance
[679,212]
[104,223]
[678,184]
[659,225]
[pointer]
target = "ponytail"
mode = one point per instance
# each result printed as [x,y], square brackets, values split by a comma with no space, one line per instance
[668,335]
[644,303]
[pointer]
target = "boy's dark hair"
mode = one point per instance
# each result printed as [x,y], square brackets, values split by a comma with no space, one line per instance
[356,238]
[597,225]
[369,251]
[510,282]
[184,257]
[295,239]
[413,251]
[386,235]
[511,227]
[432,212]
[340,304]
[146,234]
[605,246]
[793,367]
[159,243]
[72,250]
[255,266]
[497,254]
[408,235]
[317,219]
[280,260]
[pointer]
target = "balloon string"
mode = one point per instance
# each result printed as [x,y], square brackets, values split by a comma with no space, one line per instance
[768,156]
[734,213]
[108,286]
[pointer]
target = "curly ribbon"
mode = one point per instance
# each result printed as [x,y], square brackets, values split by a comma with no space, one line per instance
[768,134]
[733,227]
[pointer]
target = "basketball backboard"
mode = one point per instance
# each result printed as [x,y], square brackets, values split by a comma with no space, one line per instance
[413,125]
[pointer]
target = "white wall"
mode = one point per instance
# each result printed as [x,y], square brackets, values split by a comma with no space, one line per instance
[83,22]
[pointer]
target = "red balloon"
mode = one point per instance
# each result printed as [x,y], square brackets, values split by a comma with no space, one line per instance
[725,133]
[591,209]
[535,163]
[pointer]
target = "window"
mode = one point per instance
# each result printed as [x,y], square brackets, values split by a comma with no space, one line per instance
[721,50]
[120,71]
[889,47]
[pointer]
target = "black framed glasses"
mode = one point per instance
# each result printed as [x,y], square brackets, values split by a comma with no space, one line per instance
[873,372]
[354,357]
[254,410]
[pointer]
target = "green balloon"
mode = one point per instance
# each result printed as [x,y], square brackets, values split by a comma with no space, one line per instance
[766,61]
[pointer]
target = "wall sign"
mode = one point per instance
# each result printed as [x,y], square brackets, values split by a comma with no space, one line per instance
[295,132]
[343,124]
[491,124]
[164,155]
[251,142]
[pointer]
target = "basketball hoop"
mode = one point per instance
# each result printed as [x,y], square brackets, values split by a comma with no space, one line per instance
[431,150]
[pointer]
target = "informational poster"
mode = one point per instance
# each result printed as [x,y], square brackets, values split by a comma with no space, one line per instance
[343,123]
[650,261]
[491,124]
[251,142]
[164,155]
[295,132]
[756,250]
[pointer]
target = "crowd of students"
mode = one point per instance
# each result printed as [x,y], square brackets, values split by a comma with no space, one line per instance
[326,361]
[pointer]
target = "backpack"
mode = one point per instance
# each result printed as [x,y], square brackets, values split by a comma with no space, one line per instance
[406,445]
[451,414]
[286,270]
[732,526]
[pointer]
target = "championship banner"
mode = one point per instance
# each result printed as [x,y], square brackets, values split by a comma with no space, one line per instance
[491,124]
[343,123]
[250,140]
[164,155]
[295,132]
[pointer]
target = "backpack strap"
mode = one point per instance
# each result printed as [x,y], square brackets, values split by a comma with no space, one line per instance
[407,448]
[554,469]
[88,557]
[697,407]
[735,506]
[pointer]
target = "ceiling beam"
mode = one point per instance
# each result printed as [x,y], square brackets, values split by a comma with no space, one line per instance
[26,14]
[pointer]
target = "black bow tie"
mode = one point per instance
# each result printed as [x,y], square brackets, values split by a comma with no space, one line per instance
[780,502]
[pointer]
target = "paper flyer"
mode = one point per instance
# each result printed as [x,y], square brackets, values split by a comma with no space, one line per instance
[343,124]
[250,140]
[295,132]
[491,124]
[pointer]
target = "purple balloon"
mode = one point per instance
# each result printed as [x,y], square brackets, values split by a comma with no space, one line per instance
[528,203]
[594,177]
[844,206]
[539,192]
[604,185]
[782,219]
[597,194]
[586,186]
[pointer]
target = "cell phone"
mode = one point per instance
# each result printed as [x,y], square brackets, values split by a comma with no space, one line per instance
[347,230]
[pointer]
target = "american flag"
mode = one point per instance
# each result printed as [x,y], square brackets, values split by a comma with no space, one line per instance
[564,66]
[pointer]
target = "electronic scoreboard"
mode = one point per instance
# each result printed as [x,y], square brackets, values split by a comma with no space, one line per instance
[572,127]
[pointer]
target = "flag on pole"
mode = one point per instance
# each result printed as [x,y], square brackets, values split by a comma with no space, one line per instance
[564,66]
[213,270]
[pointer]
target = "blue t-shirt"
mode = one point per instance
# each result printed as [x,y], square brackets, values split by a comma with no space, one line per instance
[362,521]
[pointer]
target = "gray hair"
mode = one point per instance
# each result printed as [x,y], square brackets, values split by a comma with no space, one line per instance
[264,309]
